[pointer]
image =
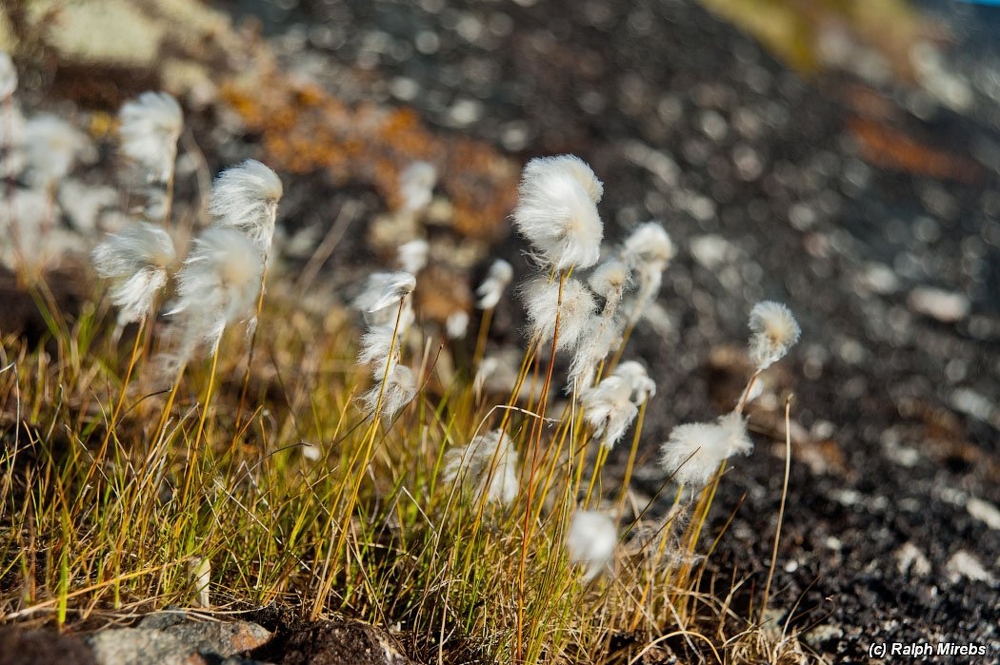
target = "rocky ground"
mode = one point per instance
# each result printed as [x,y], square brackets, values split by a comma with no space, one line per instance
[864,197]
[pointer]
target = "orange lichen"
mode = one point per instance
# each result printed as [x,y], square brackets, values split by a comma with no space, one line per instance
[303,129]
[890,148]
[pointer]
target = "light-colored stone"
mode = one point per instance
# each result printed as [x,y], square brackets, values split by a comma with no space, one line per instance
[984,511]
[945,306]
[84,31]
[963,565]
[169,643]
[142,646]
[911,560]
[221,638]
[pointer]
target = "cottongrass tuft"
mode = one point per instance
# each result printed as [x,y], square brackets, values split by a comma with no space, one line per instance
[648,251]
[245,197]
[638,379]
[603,334]
[136,259]
[695,451]
[649,244]
[486,468]
[609,410]
[150,127]
[25,227]
[541,297]
[412,256]
[51,145]
[774,330]
[591,540]
[457,324]
[378,345]
[491,289]
[610,280]
[382,296]
[399,390]
[487,367]
[416,186]
[217,286]
[557,211]
[8,76]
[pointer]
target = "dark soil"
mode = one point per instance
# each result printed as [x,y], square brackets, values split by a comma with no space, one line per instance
[41,647]
[333,642]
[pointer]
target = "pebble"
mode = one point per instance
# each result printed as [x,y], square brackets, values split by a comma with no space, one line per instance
[748,162]
[465,112]
[658,163]
[404,88]
[911,560]
[984,511]
[945,306]
[972,403]
[824,633]
[880,278]
[802,217]
[963,565]
[713,125]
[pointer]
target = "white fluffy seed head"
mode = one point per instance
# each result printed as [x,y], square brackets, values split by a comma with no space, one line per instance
[593,347]
[486,468]
[591,540]
[22,218]
[648,244]
[557,211]
[51,145]
[638,379]
[245,198]
[150,127]
[136,259]
[774,331]
[457,324]
[609,410]
[12,136]
[696,450]
[416,186]
[575,314]
[647,251]
[610,280]
[217,286]
[583,174]
[400,389]
[380,299]
[8,76]
[379,345]
[492,288]
[412,256]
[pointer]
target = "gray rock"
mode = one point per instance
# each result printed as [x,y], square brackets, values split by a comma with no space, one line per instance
[223,639]
[142,646]
[945,306]
[176,643]
[163,619]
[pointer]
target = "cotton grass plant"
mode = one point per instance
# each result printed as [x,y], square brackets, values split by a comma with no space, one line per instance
[334,479]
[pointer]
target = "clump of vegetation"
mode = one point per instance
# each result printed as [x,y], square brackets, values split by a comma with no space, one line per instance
[305,466]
